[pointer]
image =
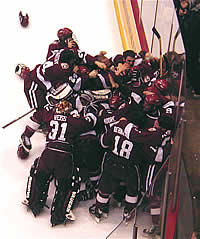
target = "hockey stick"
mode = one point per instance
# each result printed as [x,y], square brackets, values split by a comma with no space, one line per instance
[140,12]
[175,38]
[154,24]
[15,120]
[147,193]
[134,210]
[160,43]
[170,35]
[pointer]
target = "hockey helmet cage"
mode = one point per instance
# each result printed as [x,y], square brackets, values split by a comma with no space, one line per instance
[24,19]
[64,91]
[64,33]
[22,71]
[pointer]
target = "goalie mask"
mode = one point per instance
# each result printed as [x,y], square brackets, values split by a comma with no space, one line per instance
[64,107]
[64,91]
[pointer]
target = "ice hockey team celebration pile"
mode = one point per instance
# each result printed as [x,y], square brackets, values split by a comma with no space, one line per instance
[109,124]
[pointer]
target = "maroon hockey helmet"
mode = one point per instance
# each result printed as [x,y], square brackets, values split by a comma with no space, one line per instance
[22,153]
[64,33]
[24,19]
[83,69]
[115,101]
[153,99]
[162,84]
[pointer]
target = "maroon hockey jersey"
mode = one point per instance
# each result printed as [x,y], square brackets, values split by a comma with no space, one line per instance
[124,140]
[64,128]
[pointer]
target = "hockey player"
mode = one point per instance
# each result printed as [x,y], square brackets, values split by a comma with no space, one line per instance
[127,57]
[57,161]
[156,104]
[43,80]
[123,142]
[155,170]
[66,41]
[88,150]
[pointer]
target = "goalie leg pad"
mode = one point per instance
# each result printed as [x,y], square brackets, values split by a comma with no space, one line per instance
[37,189]
[66,191]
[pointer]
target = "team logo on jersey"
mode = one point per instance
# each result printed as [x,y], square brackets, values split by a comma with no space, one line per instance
[64,66]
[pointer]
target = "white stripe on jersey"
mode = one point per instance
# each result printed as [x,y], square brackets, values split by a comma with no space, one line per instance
[46,83]
[32,95]
[150,176]
[128,129]
[103,81]
[131,199]
[168,104]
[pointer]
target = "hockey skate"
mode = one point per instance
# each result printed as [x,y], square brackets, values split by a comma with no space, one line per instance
[62,220]
[36,209]
[57,221]
[97,213]
[88,193]
[128,214]
[152,232]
